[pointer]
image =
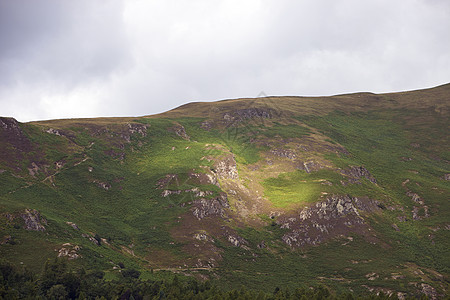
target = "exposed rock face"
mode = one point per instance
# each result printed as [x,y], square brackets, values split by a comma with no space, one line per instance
[311,166]
[201,236]
[357,172]
[327,219]
[210,207]
[104,185]
[429,291]
[206,125]
[137,128]
[204,178]
[33,170]
[33,220]
[180,131]
[226,168]
[73,225]
[251,113]
[167,193]
[132,129]
[237,241]
[447,176]
[415,197]
[197,192]
[416,213]
[70,251]
[54,131]
[91,238]
[11,125]
[284,153]
[240,115]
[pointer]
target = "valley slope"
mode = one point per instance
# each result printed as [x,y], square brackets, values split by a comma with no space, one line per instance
[349,191]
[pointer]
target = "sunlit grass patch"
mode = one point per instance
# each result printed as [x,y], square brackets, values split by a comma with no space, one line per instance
[292,188]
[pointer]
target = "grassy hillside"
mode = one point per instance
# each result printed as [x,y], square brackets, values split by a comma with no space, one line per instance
[348,191]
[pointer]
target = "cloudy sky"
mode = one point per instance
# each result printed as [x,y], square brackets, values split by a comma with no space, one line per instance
[88,58]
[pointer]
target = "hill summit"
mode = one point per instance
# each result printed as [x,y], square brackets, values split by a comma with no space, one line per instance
[348,191]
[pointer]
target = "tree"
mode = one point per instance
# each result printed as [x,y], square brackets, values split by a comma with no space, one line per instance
[57,292]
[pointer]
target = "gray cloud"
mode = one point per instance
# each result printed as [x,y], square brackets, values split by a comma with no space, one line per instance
[96,58]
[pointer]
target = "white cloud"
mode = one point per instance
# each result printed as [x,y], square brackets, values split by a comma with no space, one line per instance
[140,57]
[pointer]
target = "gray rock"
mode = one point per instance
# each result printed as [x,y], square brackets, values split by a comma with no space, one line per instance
[327,219]
[210,207]
[206,125]
[287,153]
[73,225]
[429,291]
[33,220]
[226,168]
[104,185]
[237,241]
[415,197]
[180,131]
[356,172]
[310,166]
[70,251]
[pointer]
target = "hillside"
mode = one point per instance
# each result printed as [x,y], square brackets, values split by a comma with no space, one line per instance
[349,191]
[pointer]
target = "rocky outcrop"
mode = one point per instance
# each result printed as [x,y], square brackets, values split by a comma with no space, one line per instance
[54,131]
[204,178]
[137,128]
[238,116]
[34,169]
[132,129]
[12,126]
[415,197]
[226,168]
[419,213]
[310,166]
[287,153]
[196,191]
[251,113]
[104,185]
[202,236]
[33,220]
[180,131]
[337,215]
[237,241]
[429,291]
[73,225]
[202,208]
[357,172]
[95,239]
[70,251]
[206,125]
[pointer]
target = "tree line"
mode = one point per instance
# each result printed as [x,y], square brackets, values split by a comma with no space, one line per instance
[58,281]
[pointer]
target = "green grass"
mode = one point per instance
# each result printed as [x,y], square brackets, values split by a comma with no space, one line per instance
[291,188]
[133,214]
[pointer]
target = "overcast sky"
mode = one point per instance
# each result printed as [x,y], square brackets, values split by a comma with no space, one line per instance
[88,58]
